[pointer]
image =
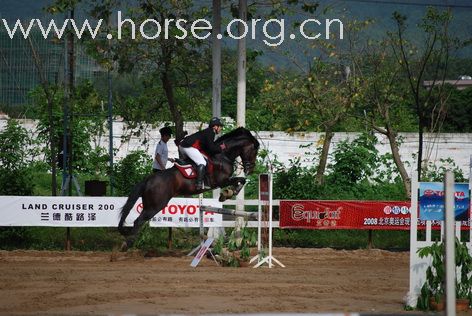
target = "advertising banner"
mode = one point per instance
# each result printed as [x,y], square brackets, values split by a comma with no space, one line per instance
[431,201]
[74,211]
[391,215]
[382,215]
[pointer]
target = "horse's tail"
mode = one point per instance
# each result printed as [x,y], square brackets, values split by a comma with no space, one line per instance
[132,198]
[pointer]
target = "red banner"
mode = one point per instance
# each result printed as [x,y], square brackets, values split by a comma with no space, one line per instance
[384,215]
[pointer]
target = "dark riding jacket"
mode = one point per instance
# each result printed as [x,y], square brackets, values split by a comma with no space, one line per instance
[203,140]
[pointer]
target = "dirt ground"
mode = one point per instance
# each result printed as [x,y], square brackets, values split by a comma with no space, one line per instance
[88,283]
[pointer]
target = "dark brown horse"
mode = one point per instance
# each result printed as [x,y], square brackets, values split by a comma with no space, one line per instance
[158,188]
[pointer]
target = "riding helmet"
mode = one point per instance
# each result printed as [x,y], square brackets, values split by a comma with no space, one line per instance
[215,122]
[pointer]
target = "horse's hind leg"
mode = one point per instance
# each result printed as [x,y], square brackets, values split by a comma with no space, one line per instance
[131,236]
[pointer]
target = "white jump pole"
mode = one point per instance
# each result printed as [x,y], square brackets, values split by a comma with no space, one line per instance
[225,211]
[450,244]
[263,197]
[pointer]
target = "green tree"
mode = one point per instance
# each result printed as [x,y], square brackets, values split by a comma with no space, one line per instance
[382,97]
[427,60]
[15,176]
[169,67]
[86,118]
[318,99]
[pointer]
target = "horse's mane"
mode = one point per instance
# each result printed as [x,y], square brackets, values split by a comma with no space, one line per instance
[239,132]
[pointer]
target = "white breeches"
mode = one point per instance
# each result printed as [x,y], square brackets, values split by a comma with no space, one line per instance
[194,154]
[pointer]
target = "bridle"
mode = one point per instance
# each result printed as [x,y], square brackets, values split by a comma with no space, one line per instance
[246,165]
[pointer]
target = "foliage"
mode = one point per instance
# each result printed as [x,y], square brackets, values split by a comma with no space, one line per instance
[357,171]
[342,239]
[14,237]
[459,107]
[354,161]
[242,241]
[312,101]
[237,248]
[150,238]
[426,61]
[435,273]
[172,74]
[257,118]
[53,238]
[131,170]
[435,172]
[15,175]
[85,119]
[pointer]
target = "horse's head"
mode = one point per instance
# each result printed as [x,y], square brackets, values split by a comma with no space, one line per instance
[249,155]
[240,142]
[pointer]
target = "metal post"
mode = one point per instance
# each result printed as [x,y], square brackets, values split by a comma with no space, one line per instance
[412,296]
[241,97]
[216,75]
[369,239]
[450,244]
[271,214]
[110,129]
[470,197]
[216,58]
[65,113]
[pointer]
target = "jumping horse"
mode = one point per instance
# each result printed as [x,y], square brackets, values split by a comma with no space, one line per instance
[158,188]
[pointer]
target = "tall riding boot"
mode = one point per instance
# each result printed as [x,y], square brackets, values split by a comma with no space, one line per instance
[200,176]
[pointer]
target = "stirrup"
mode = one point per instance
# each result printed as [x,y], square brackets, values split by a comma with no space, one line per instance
[203,186]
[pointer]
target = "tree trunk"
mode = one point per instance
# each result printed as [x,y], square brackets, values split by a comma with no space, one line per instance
[174,109]
[398,162]
[169,91]
[324,157]
[53,146]
[70,85]
[420,148]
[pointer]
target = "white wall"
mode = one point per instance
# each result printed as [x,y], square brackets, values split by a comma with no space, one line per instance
[287,146]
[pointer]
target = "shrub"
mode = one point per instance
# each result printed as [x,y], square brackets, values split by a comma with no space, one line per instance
[15,176]
[131,170]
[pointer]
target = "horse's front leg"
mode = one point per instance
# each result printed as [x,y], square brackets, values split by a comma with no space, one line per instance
[239,183]
[234,187]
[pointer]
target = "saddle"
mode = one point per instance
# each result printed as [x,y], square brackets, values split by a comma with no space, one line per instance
[189,170]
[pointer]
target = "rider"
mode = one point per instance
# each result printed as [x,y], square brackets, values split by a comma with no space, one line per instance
[200,142]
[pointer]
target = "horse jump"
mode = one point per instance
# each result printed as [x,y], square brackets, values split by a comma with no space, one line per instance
[264,247]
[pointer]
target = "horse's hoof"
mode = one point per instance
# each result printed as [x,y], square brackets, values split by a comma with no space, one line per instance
[226,194]
[113,256]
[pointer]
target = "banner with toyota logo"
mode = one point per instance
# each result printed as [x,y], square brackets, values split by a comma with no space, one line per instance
[431,201]
[78,211]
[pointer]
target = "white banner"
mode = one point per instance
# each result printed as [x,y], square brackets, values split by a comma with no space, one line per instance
[77,211]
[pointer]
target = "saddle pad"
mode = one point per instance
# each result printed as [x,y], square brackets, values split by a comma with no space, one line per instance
[188,171]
